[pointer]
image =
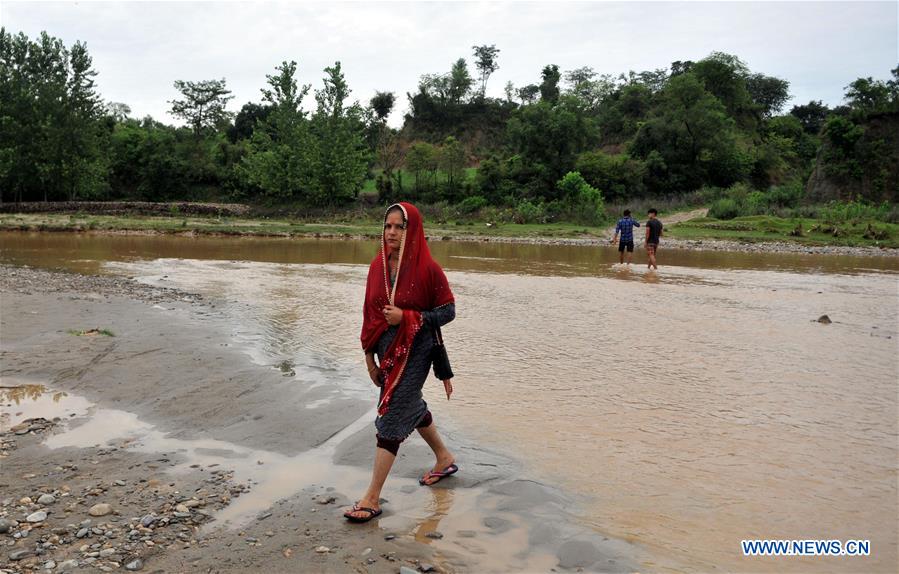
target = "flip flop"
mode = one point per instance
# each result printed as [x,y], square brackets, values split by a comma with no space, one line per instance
[372,513]
[451,469]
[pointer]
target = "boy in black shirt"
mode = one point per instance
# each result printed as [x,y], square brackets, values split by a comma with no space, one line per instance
[653,235]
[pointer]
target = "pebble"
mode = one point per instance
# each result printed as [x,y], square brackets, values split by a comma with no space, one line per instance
[326,500]
[135,564]
[263,516]
[101,509]
[7,525]
[407,570]
[390,537]
[322,549]
[38,516]
[119,483]
[17,555]
[46,499]
[435,535]
[49,565]
[82,533]
[147,520]
[424,567]
[68,565]
[181,508]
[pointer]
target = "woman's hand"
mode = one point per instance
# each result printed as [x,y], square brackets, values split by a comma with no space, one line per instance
[448,387]
[374,371]
[393,314]
[375,374]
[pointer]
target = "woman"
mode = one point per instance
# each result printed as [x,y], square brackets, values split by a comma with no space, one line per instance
[407,300]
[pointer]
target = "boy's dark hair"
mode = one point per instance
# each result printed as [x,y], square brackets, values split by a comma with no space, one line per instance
[627,212]
[653,211]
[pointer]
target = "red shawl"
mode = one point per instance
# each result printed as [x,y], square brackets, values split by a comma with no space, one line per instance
[420,286]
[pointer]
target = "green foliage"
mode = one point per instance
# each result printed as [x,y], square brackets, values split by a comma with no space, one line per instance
[618,176]
[690,140]
[203,104]
[842,212]
[724,208]
[342,161]
[53,132]
[529,212]
[580,201]
[486,62]
[547,140]
[549,87]
[472,204]
[811,115]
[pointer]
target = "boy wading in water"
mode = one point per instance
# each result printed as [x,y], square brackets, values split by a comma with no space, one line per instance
[653,235]
[625,227]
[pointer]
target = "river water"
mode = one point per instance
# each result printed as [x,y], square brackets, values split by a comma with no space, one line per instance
[692,408]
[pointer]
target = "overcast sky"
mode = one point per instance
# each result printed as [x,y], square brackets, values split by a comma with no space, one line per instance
[140,49]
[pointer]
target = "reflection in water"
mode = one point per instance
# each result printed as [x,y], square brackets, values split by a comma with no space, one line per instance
[20,393]
[696,406]
[439,507]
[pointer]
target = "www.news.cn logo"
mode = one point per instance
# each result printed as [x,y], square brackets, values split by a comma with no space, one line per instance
[806,548]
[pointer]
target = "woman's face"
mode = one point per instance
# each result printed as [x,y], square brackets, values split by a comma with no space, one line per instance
[394,229]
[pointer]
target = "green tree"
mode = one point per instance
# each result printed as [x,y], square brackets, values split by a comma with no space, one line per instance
[768,93]
[281,156]
[246,121]
[421,160]
[549,87]
[528,94]
[342,160]
[486,60]
[547,140]
[811,116]
[452,162]
[459,82]
[695,141]
[203,104]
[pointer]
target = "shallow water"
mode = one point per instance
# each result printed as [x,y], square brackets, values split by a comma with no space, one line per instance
[695,407]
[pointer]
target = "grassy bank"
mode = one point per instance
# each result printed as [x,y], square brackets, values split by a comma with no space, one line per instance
[764,228]
[755,229]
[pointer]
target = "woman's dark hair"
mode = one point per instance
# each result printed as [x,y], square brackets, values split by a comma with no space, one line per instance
[400,210]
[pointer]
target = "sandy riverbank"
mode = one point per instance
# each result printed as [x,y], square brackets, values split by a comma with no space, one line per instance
[211,463]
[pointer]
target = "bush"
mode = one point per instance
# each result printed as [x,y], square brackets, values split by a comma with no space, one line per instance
[840,212]
[527,212]
[725,208]
[580,201]
[472,204]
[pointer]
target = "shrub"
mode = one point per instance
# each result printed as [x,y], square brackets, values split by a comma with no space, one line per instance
[839,212]
[472,204]
[582,202]
[527,212]
[724,208]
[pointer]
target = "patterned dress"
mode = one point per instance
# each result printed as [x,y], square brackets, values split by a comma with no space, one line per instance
[407,406]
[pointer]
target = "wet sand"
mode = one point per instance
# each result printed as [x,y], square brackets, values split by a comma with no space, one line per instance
[166,412]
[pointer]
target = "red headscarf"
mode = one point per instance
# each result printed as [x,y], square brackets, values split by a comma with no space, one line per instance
[420,286]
